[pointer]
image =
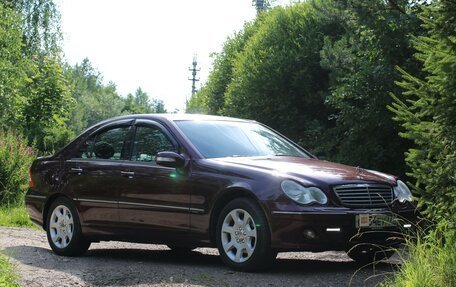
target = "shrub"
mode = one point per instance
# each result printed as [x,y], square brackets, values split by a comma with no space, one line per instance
[15,160]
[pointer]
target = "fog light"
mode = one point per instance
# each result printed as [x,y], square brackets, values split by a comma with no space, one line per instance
[333,229]
[407,225]
[309,234]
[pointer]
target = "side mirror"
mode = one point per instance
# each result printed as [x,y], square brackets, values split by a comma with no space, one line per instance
[170,159]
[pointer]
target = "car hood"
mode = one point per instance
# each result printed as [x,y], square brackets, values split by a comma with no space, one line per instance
[312,170]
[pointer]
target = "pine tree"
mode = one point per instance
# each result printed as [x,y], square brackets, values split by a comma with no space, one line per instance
[427,111]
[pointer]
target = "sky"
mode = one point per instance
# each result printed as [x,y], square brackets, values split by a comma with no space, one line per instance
[150,43]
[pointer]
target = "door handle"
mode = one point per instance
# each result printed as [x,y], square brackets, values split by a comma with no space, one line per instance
[129,174]
[76,170]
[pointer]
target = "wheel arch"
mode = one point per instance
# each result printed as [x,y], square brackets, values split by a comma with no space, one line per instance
[228,195]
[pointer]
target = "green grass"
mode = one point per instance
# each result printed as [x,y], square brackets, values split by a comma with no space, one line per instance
[431,260]
[15,216]
[7,276]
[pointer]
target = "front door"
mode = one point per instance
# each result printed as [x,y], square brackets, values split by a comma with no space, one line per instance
[155,198]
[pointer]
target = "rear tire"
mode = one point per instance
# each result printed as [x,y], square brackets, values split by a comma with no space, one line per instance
[243,237]
[64,229]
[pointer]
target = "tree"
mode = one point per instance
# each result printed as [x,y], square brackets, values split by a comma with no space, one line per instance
[362,64]
[34,93]
[94,101]
[47,104]
[321,72]
[278,79]
[211,98]
[40,24]
[141,104]
[271,72]
[12,66]
[427,111]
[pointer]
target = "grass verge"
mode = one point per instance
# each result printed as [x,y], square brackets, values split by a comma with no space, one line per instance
[7,276]
[15,216]
[431,260]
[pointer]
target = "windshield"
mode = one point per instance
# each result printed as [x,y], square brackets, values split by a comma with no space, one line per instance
[227,139]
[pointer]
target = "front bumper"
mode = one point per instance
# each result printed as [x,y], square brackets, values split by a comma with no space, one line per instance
[323,229]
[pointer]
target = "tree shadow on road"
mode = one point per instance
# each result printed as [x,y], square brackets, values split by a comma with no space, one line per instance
[125,267]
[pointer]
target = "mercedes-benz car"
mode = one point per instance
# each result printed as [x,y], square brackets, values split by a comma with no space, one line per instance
[203,181]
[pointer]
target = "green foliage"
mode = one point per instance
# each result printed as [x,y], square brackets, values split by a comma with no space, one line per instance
[48,101]
[427,111]
[40,25]
[94,100]
[7,276]
[431,260]
[271,72]
[362,64]
[211,98]
[321,72]
[15,216]
[34,94]
[15,159]
[12,64]
[278,80]
[141,104]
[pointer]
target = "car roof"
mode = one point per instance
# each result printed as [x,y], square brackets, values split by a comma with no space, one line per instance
[179,117]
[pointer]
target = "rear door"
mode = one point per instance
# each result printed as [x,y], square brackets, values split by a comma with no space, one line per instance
[95,175]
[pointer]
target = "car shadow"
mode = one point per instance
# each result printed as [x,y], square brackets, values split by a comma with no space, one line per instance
[125,267]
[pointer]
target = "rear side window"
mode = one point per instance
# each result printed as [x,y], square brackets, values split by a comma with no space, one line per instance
[148,142]
[109,144]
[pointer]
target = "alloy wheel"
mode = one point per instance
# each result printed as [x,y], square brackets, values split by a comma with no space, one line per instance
[61,226]
[239,235]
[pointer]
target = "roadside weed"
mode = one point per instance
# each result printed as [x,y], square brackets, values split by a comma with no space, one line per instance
[7,276]
[431,259]
[15,216]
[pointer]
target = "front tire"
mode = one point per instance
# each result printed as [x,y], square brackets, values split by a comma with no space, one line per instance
[369,253]
[243,237]
[181,249]
[64,229]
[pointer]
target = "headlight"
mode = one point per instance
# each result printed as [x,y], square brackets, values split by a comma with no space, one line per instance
[303,195]
[402,192]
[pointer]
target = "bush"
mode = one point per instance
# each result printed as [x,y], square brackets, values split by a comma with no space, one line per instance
[15,160]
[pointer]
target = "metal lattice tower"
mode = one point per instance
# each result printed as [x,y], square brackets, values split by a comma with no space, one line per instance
[194,71]
[261,5]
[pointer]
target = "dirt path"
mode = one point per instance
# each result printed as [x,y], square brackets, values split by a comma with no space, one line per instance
[127,264]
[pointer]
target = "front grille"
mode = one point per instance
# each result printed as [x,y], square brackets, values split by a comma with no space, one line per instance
[364,195]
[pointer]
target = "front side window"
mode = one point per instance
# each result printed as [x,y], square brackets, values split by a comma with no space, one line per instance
[108,144]
[148,142]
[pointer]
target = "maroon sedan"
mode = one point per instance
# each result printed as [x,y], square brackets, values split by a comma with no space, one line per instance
[190,180]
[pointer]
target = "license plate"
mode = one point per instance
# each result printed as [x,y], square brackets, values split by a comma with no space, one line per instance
[374,220]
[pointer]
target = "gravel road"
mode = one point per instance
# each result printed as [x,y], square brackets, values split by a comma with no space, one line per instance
[127,264]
